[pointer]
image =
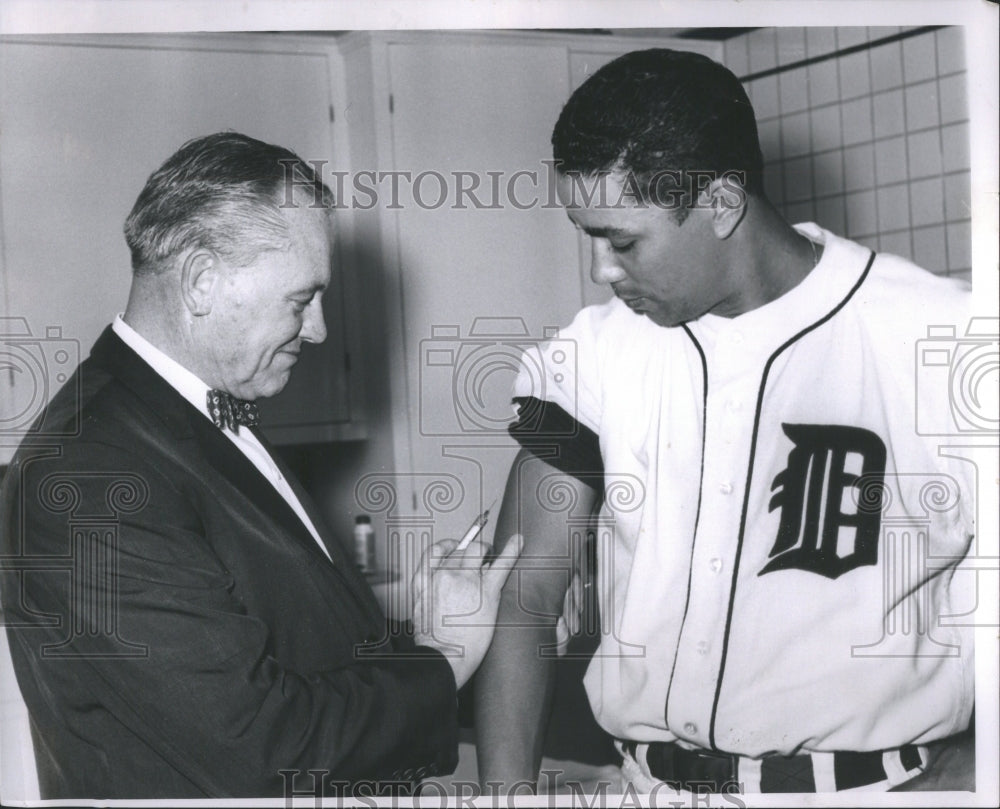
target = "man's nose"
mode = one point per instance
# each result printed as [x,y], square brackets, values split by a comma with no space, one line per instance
[313,323]
[604,266]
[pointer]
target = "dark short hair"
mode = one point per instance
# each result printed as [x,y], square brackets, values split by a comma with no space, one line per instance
[655,111]
[224,192]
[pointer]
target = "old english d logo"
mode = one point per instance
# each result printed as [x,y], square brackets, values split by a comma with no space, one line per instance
[814,533]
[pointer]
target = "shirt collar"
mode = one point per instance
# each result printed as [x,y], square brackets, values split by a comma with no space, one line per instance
[826,285]
[174,374]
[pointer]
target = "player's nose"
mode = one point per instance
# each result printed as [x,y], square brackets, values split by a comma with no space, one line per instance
[604,266]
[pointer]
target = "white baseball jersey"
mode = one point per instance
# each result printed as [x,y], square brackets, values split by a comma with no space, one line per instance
[777,581]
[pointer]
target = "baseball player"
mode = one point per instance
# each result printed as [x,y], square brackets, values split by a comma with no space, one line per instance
[779,539]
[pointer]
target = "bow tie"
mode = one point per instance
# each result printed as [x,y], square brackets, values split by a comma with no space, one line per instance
[229,413]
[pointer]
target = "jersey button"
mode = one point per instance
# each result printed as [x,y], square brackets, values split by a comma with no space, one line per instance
[690,728]
[736,337]
[726,488]
[734,405]
[702,647]
[716,565]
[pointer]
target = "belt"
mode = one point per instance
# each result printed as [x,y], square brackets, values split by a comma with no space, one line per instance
[705,771]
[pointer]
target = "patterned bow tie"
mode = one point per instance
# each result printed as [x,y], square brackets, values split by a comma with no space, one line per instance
[229,413]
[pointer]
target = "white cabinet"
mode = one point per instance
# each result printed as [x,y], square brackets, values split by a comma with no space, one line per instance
[84,122]
[477,283]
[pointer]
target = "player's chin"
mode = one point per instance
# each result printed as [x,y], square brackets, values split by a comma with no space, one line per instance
[667,320]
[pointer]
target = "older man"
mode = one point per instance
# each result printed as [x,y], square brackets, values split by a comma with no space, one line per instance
[215,641]
[771,619]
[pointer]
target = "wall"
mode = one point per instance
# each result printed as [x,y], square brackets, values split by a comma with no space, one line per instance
[866,132]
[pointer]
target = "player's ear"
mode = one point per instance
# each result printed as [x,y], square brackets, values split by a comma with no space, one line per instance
[200,270]
[728,200]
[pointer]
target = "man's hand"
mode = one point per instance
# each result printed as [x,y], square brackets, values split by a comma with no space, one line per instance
[455,601]
[571,621]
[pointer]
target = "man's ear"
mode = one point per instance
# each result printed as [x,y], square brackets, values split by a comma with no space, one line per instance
[728,201]
[200,271]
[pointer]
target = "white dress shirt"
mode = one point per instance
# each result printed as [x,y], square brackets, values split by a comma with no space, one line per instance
[195,391]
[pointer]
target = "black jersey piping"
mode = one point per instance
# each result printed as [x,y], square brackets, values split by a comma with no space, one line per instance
[746,493]
[697,514]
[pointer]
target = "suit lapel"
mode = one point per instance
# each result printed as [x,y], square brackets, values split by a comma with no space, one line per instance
[232,464]
[186,423]
[349,572]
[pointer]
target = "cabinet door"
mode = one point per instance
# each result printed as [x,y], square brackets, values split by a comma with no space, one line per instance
[83,126]
[482,278]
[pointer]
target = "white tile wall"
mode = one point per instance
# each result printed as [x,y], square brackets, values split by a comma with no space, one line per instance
[873,144]
[861,219]
[921,102]
[950,51]
[820,40]
[794,93]
[855,79]
[890,118]
[924,153]
[859,166]
[795,134]
[791,43]
[826,128]
[762,47]
[954,106]
[737,56]
[886,65]
[890,158]
[927,202]
[955,147]
[919,58]
[824,85]
[856,116]
[846,37]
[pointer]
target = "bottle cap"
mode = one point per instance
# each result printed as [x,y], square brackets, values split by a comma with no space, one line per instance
[363,519]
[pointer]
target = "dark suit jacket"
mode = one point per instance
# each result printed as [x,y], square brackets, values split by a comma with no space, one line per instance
[175,629]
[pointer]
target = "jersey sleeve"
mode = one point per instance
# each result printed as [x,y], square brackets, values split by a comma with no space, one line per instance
[550,433]
[557,396]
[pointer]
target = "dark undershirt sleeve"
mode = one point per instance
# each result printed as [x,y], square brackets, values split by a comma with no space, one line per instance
[553,435]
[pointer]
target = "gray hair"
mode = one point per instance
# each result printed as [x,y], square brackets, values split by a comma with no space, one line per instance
[224,192]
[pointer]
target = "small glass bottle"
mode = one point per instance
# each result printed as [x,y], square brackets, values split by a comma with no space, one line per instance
[364,543]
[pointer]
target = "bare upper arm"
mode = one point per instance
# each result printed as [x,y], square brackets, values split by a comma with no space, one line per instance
[551,510]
